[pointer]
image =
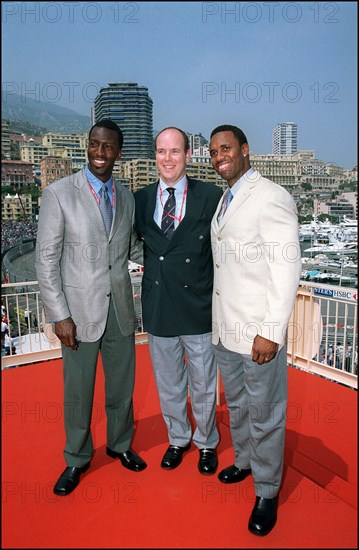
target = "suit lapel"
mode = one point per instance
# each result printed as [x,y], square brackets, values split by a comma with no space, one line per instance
[88,201]
[238,200]
[119,209]
[151,207]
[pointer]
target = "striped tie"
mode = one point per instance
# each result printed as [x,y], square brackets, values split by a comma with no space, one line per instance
[105,208]
[168,216]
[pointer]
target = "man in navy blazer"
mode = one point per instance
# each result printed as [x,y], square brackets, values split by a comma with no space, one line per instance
[176,299]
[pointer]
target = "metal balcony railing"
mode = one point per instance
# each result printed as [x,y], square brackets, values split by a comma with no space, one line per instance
[30,338]
[322,333]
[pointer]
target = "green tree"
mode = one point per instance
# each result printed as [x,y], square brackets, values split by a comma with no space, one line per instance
[307,186]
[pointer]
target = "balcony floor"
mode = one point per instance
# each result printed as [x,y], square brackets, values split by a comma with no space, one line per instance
[115,508]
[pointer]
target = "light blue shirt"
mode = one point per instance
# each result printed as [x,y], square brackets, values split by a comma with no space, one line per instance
[97,184]
[162,196]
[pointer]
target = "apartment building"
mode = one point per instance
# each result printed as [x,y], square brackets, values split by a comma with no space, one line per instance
[16,172]
[67,146]
[282,169]
[138,173]
[54,168]
[16,207]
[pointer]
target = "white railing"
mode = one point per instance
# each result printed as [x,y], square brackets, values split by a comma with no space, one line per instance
[32,339]
[322,335]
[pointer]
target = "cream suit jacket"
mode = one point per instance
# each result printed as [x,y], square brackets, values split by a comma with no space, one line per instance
[78,265]
[257,265]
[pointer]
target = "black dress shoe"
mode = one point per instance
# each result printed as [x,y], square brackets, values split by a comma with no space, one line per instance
[69,480]
[264,516]
[208,461]
[232,474]
[129,459]
[173,456]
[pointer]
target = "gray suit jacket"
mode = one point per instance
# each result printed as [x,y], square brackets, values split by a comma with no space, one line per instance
[78,266]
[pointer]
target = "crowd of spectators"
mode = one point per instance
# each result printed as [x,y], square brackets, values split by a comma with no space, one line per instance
[14,230]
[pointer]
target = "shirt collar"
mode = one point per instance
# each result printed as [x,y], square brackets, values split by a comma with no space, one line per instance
[95,182]
[240,182]
[179,186]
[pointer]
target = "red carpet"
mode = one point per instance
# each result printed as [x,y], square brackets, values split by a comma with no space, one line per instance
[116,508]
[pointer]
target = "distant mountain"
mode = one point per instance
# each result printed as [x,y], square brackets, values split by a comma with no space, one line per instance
[43,114]
[21,127]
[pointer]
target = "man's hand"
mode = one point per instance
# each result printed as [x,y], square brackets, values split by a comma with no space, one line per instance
[263,350]
[66,331]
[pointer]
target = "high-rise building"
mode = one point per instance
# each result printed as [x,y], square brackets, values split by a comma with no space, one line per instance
[130,106]
[5,140]
[285,138]
[196,141]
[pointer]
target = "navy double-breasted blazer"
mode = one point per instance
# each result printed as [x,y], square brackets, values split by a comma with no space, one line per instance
[178,273]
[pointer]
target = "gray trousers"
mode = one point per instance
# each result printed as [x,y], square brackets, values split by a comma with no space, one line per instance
[173,378]
[256,397]
[79,369]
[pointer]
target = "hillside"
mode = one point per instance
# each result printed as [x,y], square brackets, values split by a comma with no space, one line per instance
[43,116]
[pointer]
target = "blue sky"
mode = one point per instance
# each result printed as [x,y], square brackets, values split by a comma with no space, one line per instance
[252,64]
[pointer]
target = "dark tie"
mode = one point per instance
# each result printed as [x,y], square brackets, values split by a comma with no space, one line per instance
[105,208]
[228,196]
[168,216]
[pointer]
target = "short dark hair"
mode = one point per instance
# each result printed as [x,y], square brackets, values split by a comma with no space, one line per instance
[240,135]
[111,125]
[184,135]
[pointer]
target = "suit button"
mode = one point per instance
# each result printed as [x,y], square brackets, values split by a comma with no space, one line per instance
[217,265]
[185,286]
[110,266]
[200,237]
[188,260]
[108,295]
[161,258]
[217,292]
[219,238]
[157,283]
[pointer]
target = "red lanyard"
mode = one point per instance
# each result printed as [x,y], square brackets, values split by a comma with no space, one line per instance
[96,197]
[179,219]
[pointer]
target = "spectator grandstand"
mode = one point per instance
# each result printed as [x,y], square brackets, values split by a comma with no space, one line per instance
[14,231]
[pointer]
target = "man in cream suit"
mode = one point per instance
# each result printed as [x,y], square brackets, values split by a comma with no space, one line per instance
[257,267]
[82,269]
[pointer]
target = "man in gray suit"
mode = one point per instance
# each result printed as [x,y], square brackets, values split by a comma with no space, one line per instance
[85,239]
